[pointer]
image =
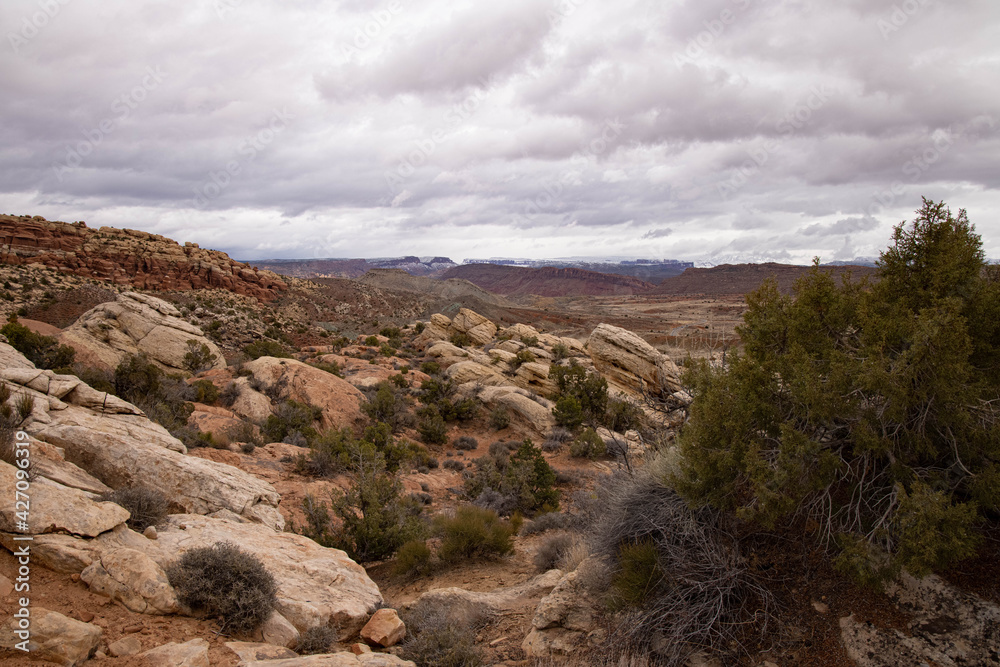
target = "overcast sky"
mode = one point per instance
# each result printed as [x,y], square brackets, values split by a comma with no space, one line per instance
[707,130]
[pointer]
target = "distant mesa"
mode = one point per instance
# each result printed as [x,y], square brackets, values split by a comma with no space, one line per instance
[431,267]
[129,257]
[548,281]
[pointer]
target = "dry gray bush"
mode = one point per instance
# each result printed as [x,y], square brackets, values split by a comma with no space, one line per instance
[703,595]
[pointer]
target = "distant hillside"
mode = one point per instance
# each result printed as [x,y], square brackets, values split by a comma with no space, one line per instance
[354,268]
[548,281]
[650,270]
[731,279]
[452,289]
[128,257]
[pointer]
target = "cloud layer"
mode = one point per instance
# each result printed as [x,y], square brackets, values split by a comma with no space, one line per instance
[713,130]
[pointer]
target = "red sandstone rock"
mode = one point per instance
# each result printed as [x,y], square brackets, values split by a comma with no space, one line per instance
[129,257]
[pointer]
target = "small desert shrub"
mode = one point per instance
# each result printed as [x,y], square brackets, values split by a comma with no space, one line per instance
[559,351]
[385,406]
[291,416]
[499,418]
[524,480]
[522,357]
[556,439]
[454,464]
[136,378]
[460,339]
[317,640]
[221,580]
[198,357]
[147,507]
[430,367]
[331,367]
[24,404]
[432,428]
[265,348]
[205,391]
[371,341]
[419,327]
[530,341]
[474,532]
[551,551]
[548,521]
[245,432]
[412,559]
[588,445]
[375,518]
[248,447]
[568,412]
[441,639]
[43,351]
[623,415]
[467,443]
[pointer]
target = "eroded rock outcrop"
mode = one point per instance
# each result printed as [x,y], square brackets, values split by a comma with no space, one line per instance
[316,585]
[134,579]
[949,628]
[63,640]
[135,324]
[338,399]
[113,441]
[57,508]
[129,257]
[563,620]
[631,364]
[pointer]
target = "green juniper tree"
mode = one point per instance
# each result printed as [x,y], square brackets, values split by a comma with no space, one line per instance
[872,411]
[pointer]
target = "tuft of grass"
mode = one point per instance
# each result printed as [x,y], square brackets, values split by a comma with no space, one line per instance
[147,507]
[551,551]
[317,640]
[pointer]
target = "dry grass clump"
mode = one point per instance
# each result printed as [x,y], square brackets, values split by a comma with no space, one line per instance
[439,638]
[221,580]
[146,506]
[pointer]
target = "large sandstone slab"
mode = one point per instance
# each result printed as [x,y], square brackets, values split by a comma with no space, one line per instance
[134,579]
[135,324]
[339,400]
[535,412]
[316,585]
[54,637]
[129,450]
[630,363]
[55,508]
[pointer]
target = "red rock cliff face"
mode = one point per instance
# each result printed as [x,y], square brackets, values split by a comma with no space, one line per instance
[129,257]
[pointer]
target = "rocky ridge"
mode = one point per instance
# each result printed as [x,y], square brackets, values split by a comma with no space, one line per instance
[129,257]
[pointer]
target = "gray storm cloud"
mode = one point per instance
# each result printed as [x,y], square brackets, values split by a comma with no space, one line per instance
[689,129]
